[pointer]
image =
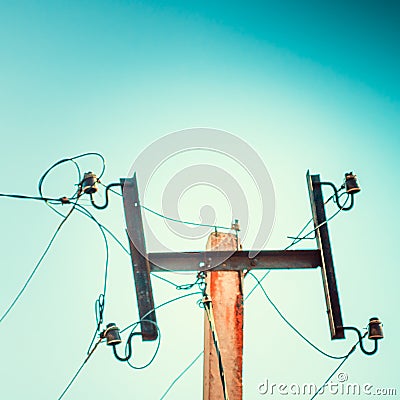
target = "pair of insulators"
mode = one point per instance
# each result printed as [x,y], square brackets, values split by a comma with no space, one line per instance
[375,330]
[351,183]
[89,183]
[111,334]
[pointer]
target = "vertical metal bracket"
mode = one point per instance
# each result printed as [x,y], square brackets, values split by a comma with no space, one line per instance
[140,262]
[327,267]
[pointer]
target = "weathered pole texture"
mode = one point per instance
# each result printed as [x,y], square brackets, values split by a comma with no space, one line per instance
[226,291]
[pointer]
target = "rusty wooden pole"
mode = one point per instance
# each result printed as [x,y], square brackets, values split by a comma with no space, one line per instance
[226,291]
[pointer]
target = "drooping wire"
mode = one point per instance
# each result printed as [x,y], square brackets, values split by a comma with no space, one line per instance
[17,297]
[199,355]
[101,300]
[259,281]
[248,295]
[122,331]
[178,287]
[160,306]
[88,214]
[298,239]
[156,350]
[184,222]
[290,324]
[173,219]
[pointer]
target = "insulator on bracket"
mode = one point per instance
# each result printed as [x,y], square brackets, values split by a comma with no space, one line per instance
[89,183]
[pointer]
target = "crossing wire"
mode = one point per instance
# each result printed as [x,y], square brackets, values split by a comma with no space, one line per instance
[17,297]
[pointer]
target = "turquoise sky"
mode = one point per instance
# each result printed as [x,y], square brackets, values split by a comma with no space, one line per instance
[310,85]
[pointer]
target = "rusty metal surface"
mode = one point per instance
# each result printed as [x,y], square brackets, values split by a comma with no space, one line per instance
[203,261]
[327,266]
[226,291]
[140,263]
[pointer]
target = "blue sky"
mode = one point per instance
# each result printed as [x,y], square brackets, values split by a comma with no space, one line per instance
[309,85]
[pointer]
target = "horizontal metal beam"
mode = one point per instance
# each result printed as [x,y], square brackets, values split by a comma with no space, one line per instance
[238,261]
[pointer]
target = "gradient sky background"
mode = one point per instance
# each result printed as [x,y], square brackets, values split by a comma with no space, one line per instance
[310,85]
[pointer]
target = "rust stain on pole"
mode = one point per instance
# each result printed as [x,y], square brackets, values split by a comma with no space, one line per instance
[226,291]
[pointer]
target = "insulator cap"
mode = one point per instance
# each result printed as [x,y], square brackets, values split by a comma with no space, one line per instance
[89,183]
[351,183]
[112,334]
[375,330]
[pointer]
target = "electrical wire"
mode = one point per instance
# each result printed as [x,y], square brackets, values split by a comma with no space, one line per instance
[87,213]
[79,370]
[210,316]
[38,263]
[72,380]
[199,355]
[72,160]
[336,369]
[184,222]
[122,331]
[330,376]
[181,375]
[26,197]
[160,306]
[290,324]
[101,300]
[110,189]
[278,311]
[298,239]
[155,352]
[255,286]
[173,219]
[165,280]
[325,222]
[83,210]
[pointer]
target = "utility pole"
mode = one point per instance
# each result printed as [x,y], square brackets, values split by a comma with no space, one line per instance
[225,289]
[224,264]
